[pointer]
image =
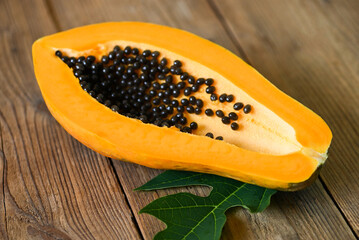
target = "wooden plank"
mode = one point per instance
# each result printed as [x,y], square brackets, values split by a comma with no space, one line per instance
[52,186]
[179,14]
[309,50]
[312,213]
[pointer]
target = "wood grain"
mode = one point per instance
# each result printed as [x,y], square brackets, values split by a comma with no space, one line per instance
[313,215]
[310,50]
[52,187]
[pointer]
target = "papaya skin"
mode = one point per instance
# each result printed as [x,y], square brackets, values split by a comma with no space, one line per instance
[119,137]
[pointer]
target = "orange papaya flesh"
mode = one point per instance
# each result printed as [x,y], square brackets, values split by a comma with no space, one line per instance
[278,144]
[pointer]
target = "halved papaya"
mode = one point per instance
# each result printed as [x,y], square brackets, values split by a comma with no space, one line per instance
[116,87]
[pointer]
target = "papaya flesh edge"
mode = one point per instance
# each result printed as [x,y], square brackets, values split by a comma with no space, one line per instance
[127,139]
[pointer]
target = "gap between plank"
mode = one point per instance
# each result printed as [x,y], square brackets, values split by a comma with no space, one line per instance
[3,176]
[337,206]
[51,10]
[126,198]
[245,57]
[228,31]
[56,22]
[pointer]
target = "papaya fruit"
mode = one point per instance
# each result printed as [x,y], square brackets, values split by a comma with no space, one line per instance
[168,99]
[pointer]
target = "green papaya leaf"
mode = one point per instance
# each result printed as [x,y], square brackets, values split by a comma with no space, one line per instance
[188,216]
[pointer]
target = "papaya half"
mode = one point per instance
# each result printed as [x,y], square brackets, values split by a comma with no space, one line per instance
[165,98]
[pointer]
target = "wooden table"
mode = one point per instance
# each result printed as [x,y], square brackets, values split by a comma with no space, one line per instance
[52,187]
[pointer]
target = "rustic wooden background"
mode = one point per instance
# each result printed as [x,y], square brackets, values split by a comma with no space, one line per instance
[52,187]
